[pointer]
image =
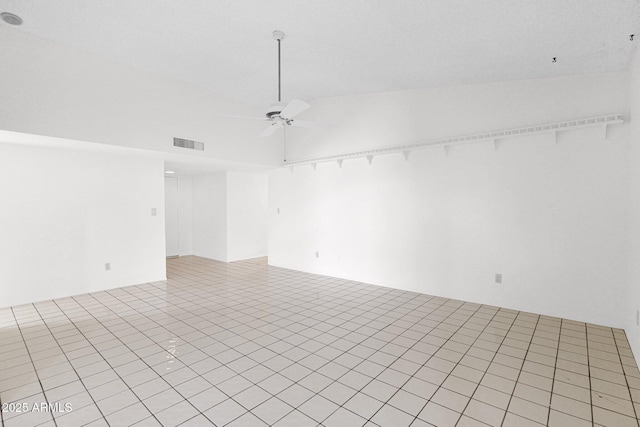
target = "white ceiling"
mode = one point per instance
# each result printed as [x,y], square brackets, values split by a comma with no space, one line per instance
[342,47]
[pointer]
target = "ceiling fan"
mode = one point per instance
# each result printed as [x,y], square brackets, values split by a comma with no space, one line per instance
[280,115]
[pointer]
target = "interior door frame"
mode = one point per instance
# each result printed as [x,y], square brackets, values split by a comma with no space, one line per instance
[177,214]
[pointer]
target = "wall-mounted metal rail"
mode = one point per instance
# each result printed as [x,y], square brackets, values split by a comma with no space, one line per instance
[550,128]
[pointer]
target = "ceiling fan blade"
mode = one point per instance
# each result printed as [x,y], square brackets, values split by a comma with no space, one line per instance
[242,118]
[293,108]
[303,124]
[270,129]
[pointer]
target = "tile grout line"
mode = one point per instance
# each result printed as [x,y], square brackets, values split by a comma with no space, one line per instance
[624,373]
[291,317]
[506,409]
[397,358]
[114,368]
[225,364]
[593,420]
[515,382]
[555,368]
[32,363]
[434,355]
[148,366]
[445,301]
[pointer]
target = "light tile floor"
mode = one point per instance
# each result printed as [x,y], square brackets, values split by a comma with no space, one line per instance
[245,344]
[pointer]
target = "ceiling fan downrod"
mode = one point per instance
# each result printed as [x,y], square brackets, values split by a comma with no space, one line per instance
[279,35]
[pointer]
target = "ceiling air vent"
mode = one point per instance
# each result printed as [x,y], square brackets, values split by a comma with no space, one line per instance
[187,143]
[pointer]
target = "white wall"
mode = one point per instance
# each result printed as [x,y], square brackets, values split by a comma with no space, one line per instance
[633,299]
[354,123]
[66,213]
[229,215]
[551,218]
[210,216]
[247,211]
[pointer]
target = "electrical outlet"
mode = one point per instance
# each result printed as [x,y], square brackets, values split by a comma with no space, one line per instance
[498,278]
[107,266]
[154,211]
[317,254]
[278,210]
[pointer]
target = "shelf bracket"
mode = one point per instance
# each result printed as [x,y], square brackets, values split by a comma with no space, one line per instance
[370,159]
[313,165]
[493,138]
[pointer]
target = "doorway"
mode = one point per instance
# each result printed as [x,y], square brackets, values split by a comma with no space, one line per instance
[172,232]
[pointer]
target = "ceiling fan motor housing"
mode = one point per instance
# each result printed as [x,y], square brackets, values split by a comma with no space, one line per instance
[274,111]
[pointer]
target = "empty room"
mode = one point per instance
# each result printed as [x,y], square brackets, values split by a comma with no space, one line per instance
[320,213]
